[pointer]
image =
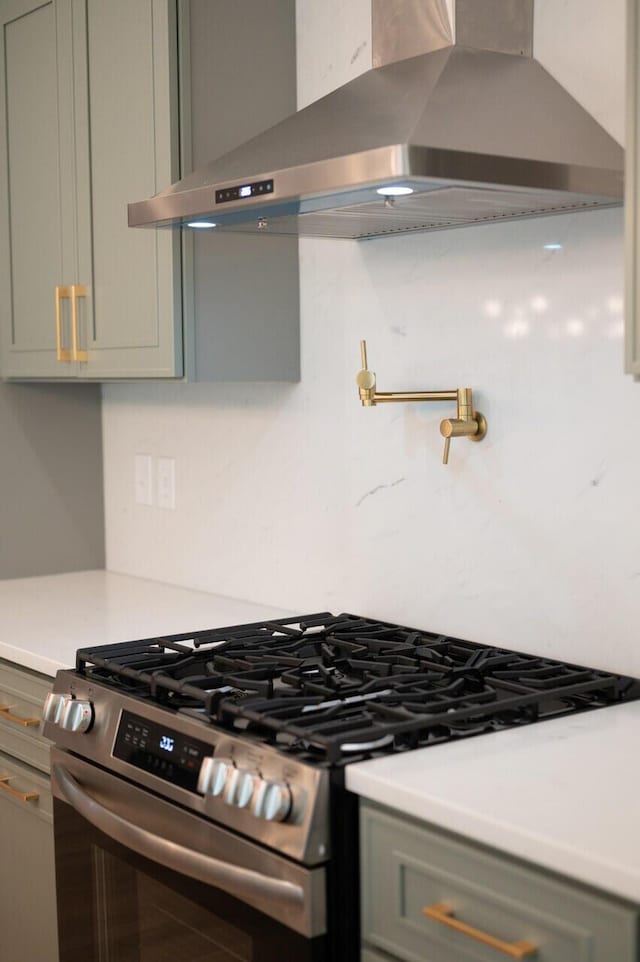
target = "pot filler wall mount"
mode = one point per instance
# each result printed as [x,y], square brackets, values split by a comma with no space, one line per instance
[466,424]
[456,124]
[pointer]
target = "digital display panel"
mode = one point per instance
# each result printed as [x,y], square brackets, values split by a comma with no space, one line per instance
[156,749]
[242,191]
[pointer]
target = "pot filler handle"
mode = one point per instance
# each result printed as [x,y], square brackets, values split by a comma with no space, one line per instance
[234,879]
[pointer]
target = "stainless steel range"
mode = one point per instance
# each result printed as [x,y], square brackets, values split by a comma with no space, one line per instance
[200,808]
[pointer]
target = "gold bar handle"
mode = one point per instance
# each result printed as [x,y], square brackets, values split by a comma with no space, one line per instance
[77,290]
[21,796]
[5,712]
[62,353]
[444,914]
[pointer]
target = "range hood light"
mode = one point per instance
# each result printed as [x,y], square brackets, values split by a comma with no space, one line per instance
[394,191]
[201,223]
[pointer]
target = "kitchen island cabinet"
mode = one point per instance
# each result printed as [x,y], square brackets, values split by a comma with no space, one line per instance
[97,112]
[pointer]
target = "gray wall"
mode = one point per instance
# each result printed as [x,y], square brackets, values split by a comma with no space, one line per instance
[51,496]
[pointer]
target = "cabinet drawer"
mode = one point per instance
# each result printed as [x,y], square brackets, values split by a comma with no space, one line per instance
[504,907]
[22,693]
[25,788]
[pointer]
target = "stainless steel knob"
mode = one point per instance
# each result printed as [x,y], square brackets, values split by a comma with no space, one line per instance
[239,788]
[213,775]
[52,708]
[272,801]
[77,715]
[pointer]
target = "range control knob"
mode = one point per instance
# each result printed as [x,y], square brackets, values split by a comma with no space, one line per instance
[239,788]
[213,775]
[272,801]
[52,708]
[77,715]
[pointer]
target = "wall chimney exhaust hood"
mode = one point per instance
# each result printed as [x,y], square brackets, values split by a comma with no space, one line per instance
[456,124]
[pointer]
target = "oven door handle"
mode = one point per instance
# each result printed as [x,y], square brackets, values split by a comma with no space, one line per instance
[234,879]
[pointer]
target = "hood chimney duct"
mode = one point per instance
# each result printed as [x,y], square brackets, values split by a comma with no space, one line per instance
[407,28]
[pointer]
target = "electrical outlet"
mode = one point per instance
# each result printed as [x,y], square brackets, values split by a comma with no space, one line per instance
[143,479]
[167,483]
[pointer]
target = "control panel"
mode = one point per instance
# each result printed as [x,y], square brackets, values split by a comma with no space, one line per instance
[243,191]
[160,750]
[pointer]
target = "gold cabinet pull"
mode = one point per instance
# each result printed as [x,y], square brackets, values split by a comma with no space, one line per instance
[62,353]
[444,914]
[5,712]
[77,290]
[21,796]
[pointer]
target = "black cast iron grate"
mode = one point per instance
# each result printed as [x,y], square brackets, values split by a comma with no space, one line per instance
[333,688]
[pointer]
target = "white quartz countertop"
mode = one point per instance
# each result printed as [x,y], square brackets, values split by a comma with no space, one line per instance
[43,621]
[564,793]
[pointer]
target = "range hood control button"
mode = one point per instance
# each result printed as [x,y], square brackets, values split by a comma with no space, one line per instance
[77,715]
[52,708]
[213,775]
[272,801]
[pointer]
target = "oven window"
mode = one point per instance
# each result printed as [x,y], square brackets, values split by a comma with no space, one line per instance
[140,919]
[116,906]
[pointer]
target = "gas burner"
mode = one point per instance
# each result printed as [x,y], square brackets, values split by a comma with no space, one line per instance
[336,687]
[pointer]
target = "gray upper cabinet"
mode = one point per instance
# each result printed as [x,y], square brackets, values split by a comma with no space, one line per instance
[96,112]
[90,103]
[38,242]
[632,194]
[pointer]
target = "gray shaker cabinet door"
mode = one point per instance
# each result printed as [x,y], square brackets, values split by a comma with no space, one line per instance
[135,327]
[38,201]
[28,923]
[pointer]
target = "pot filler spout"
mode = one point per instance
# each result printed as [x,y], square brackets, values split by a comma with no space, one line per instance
[455,124]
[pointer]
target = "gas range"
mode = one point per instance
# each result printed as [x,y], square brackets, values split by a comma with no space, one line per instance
[251,724]
[220,756]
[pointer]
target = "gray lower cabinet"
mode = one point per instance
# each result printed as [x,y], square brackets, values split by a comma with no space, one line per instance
[428,896]
[95,112]
[28,925]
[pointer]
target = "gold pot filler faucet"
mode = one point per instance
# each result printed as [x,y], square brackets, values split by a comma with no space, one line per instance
[467,423]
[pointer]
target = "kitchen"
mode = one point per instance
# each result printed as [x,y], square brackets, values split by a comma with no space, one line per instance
[316,503]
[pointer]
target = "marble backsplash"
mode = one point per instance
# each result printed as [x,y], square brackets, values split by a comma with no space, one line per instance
[296,496]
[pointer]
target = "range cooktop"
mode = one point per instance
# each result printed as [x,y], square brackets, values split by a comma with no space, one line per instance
[331,689]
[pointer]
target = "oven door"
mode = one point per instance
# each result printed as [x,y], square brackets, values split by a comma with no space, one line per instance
[140,879]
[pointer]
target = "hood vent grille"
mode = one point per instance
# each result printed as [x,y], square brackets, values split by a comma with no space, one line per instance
[435,210]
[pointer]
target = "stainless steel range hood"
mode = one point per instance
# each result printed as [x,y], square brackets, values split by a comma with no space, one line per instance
[455,125]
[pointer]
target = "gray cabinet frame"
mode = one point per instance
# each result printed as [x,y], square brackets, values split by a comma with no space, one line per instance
[632,194]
